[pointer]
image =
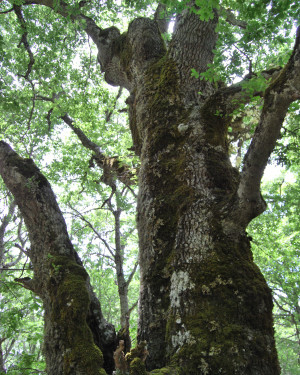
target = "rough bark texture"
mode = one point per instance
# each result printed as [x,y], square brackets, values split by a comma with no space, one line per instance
[205,308]
[74,326]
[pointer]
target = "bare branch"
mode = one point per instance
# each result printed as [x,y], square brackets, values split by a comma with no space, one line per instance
[5,221]
[111,111]
[132,273]
[90,225]
[231,18]
[7,11]
[133,307]
[24,40]
[16,261]
[111,166]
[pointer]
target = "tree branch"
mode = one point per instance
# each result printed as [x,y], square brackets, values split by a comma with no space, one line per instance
[231,19]
[133,307]
[78,214]
[49,237]
[132,273]
[111,166]
[284,90]
[5,221]
[110,112]
[24,40]
[160,16]
[7,11]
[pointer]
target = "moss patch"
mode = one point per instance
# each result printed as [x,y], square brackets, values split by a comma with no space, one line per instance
[166,371]
[137,367]
[231,326]
[70,303]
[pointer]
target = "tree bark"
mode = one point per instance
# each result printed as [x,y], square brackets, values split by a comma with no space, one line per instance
[74,329]
[2,368]
[122,284]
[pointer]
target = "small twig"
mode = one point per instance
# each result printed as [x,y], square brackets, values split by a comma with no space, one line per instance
[21,248]
[109,113]
[108,200]
[16,269]
[93,229]
[132,273]
[132,307]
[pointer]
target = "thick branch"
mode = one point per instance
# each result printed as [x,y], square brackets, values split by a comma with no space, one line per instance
[161,18]
[49,238]
[279,95]
[192,47]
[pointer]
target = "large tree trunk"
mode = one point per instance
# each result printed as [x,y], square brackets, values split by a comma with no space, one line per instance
[204,304]
[205,308]
[75,329]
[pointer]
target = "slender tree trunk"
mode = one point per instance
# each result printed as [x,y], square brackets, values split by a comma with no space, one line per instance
[2,368]
[122,284]
[74,330]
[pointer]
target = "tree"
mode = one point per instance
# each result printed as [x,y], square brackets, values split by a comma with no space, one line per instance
[205,308]
[277,253]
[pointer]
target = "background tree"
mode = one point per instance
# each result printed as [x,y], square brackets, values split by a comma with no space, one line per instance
[278,256]
[193,205]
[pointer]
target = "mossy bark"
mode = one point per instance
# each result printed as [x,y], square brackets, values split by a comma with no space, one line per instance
[75,330]
[205,308]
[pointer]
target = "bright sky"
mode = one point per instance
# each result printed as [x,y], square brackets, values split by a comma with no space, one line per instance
[273,171]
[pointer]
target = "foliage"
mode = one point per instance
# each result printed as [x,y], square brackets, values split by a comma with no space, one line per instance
[276,244]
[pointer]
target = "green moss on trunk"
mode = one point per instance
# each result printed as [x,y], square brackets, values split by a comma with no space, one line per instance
[70,303]
[230,328]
